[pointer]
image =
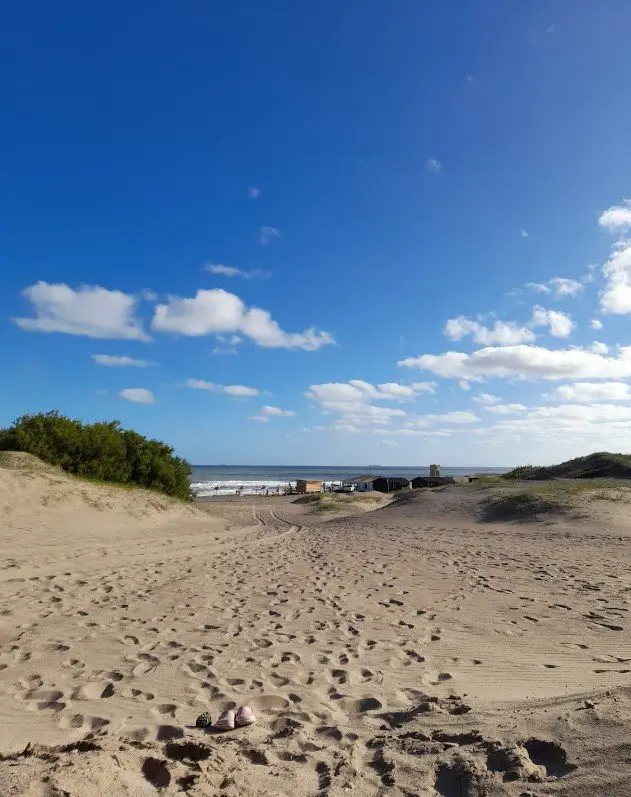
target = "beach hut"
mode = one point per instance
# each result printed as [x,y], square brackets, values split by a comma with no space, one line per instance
[389,484]
[431,481]
[360,484]
[308,486]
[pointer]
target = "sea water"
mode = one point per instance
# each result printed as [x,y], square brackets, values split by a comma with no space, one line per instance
[261,479]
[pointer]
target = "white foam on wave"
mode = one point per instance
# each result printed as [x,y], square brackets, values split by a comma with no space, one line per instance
[232,486]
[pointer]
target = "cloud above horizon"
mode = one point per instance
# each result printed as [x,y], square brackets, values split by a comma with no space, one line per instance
[524,362]
[236,391]
[138,395]
[510,333]
[557,287]
[217,311]
[233,271]
[267,235]
[89,310]
[110,360]
[277,412]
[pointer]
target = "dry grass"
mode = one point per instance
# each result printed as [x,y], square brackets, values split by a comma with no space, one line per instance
[533,500]
[343,502]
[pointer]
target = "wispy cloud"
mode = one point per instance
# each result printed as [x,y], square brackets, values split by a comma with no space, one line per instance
[259,418]
[277,412]
[139,395]
[525,362]
[233,271]
[268,234]
[433,165]
[523,233]
[254,192]
[559,287]
[236,391]
[110,360]
[505,332]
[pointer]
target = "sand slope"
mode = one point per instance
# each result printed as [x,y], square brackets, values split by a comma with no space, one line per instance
[393,653]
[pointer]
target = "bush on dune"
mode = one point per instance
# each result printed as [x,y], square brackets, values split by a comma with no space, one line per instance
[103,451]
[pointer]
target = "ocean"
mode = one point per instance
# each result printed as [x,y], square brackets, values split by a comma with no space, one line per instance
[256,479]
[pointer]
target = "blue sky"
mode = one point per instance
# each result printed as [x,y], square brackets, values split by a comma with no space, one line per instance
[336,233]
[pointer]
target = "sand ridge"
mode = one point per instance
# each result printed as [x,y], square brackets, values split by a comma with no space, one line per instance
[399,652]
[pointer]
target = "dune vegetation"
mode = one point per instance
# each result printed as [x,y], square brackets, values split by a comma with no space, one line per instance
[102,451]
[600,465]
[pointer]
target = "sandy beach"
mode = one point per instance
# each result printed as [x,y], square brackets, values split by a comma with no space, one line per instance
[415,648]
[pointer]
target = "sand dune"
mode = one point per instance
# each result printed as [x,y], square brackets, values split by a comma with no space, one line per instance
[414,650]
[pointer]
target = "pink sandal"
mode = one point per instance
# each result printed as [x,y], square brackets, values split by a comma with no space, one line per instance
[245,716]
[225,721]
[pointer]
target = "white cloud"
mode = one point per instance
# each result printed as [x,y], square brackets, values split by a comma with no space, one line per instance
[538,287]
[352,400]
[523,233]
[200,384]
[616,298]
[216,311]
[240,391]
[506,333]
[276,411]
[464,385]
[90,310]
[524,362]
[259,418]
[254,192]
[583,412]
[565,287]
[233,271]
[486,398]
[112,360]
[617,217]
[560,324]
[348,428]
[139,395]
[356,390]
[595,323]
[456,417]
[148,295]
[506,409]
[558,287]
[433,165]
[236,391]
[588,392]
[268,234]
[563,431]
[599,348]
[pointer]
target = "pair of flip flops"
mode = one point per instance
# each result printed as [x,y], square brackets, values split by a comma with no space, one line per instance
[228,720]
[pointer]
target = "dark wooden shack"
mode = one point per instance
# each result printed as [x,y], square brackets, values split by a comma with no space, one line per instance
[389,484]
[431,481]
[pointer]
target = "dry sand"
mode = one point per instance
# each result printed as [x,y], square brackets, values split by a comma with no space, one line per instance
[413,650]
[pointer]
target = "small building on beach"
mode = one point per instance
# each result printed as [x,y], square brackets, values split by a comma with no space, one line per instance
[360,484]
[308,486]
[431,481]
[382,484]
[389,484]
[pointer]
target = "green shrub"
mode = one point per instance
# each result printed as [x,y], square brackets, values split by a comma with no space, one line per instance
[103,451]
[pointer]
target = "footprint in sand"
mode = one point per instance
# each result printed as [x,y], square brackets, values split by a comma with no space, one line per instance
[95,690]
[137,694]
